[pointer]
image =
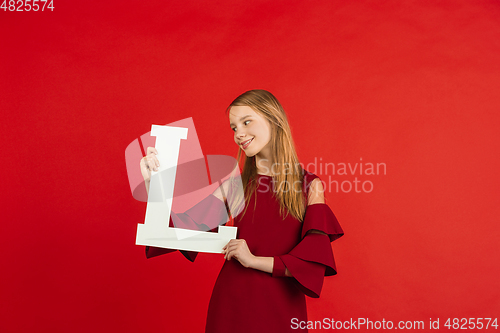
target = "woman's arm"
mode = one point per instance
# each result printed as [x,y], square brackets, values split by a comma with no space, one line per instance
[266,264]
[238,248]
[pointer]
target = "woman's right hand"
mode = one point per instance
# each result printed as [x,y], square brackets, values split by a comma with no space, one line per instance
[148,163]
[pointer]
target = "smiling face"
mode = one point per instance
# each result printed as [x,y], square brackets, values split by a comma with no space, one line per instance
[252,132]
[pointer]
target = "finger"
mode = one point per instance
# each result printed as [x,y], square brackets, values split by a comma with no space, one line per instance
[152,163]
[231,254]
[148,162]
[157,163]
[233,241]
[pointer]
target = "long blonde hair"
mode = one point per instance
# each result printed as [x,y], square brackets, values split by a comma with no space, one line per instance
[289,176]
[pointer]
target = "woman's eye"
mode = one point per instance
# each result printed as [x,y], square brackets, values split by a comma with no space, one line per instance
[246,122]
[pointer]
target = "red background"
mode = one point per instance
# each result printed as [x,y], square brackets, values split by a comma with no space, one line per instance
[413,84]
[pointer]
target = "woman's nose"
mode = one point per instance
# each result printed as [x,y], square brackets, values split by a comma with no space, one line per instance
[240,133]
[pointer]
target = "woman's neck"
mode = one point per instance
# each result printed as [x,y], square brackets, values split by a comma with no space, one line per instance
[263,165]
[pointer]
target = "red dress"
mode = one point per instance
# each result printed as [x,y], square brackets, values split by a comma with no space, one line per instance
[250,300]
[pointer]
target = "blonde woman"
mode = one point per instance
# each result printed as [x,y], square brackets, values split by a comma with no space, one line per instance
[282,251]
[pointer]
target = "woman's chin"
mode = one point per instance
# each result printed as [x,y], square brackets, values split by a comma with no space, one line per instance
[249,153]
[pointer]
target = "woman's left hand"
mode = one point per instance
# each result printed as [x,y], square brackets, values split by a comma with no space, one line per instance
[238,249]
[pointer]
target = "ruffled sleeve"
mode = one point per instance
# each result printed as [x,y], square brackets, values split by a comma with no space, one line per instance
[312,258]
[206,215]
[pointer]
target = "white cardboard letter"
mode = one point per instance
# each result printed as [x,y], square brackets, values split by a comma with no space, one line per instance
[156,230]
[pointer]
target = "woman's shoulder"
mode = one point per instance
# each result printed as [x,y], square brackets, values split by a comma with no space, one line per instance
[309,178]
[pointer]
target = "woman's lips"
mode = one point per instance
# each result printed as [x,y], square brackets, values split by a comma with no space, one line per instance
[245,144]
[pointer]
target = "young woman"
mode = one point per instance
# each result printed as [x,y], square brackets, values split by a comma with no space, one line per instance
[282,251]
